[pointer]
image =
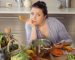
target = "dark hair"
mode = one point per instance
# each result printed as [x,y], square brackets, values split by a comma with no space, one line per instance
[42,6]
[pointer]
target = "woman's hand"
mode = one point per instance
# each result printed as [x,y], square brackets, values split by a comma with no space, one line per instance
[30,23]
[33,30]
[58,45]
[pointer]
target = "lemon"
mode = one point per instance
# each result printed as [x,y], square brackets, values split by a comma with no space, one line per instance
[30,51]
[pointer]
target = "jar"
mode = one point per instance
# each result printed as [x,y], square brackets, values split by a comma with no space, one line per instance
[27,4]
[8,5]
[58,4]
[68,3]
[19,3]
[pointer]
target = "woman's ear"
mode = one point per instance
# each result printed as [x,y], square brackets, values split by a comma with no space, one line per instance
[45,16]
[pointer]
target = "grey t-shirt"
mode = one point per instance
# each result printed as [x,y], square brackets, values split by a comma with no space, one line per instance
[56,30]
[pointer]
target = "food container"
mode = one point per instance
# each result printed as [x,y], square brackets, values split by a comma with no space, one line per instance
[40,47]
[68,3]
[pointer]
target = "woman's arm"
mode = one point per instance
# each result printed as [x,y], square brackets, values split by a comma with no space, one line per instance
[33,33]
[30,33]
[63,34]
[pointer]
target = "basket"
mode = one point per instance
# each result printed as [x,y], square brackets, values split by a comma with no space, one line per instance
[3,41]
[10,44]
[17,54]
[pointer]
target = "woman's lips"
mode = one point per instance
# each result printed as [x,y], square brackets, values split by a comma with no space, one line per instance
[33,21]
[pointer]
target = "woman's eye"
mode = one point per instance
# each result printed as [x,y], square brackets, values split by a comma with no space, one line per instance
[34,14]
[38,14]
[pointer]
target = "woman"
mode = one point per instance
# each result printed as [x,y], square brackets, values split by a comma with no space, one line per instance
[49,27]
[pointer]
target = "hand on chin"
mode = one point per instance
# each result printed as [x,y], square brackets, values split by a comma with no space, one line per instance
[58,45]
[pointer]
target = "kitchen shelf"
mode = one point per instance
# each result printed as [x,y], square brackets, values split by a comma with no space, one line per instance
[61,11]
[14,11]
[24,11]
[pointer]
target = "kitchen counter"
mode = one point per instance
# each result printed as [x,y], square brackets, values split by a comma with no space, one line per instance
[24,11]
[62,11]
[14,11]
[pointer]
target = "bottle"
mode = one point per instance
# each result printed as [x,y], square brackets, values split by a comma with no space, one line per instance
[18,3]
[68,3]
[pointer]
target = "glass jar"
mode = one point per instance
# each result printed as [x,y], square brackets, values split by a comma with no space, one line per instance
[19,3]
[27,4]
[68,3]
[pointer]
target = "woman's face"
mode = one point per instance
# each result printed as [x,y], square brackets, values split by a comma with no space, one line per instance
[37,16]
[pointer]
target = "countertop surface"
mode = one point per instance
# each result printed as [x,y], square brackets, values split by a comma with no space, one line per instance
[25,11]
[14,11]
[62,11]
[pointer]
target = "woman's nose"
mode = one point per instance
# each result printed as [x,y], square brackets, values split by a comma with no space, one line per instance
[34,17]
